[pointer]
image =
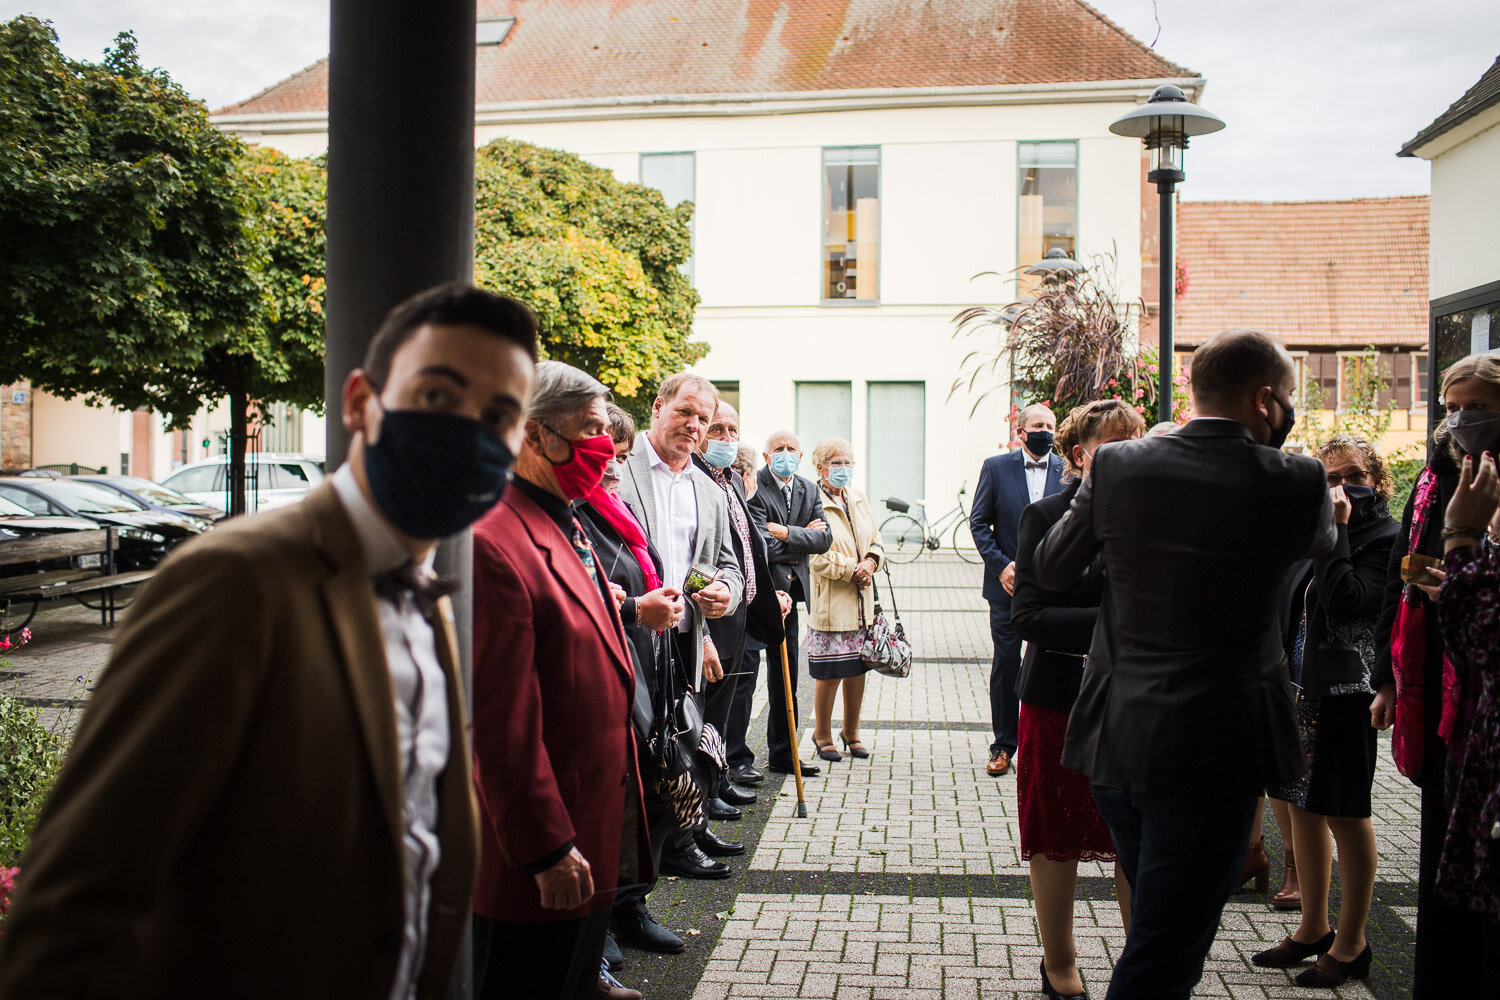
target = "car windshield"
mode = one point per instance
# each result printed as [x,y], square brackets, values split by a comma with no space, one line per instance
[154,493]
[9,508]
[84,497]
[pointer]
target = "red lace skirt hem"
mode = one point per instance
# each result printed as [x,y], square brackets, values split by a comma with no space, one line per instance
[1058,819]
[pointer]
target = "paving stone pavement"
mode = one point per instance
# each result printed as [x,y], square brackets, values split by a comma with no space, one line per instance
[905,879]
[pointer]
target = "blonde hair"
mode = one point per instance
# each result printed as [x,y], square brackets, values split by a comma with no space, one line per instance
[1485,368]
[829,447]
[1092,421]
[1380,476]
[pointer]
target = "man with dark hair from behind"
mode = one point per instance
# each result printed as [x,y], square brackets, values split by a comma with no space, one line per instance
[1185,713]
[283,703]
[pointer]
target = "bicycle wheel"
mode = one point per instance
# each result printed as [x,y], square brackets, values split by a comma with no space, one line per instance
[963,542]
[902,537]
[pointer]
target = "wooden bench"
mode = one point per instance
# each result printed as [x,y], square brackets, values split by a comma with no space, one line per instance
[91,555]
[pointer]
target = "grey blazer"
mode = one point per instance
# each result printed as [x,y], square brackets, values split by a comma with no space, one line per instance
[1186,690]
[715,544]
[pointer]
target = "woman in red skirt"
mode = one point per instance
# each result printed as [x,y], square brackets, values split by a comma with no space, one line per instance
[1059,824]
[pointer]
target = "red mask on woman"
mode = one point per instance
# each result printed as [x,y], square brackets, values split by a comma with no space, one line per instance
[583,469]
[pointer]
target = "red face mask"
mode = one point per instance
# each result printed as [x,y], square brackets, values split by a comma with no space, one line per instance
[583,470]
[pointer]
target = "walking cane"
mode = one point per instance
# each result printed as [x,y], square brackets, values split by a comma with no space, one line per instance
[791,724]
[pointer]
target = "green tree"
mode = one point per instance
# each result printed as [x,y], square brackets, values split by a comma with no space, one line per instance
[600,261]
[150,261]
[1360,414]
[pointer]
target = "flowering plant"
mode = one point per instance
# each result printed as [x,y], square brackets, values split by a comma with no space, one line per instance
[7,886]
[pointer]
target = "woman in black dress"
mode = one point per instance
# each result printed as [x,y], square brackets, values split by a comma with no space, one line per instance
[1335,603]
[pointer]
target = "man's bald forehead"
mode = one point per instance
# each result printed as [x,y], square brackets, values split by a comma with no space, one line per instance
[725,410]
[783,437]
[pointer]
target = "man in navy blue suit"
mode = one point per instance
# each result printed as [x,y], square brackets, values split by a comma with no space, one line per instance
[1007,483]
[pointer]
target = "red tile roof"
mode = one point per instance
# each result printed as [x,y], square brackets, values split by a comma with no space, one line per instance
[562,49]
[1342,274]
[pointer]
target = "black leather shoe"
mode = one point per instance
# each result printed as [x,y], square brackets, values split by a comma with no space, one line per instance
[637,928]
[745,775]
[1291,952]
[808,770]
[722,811]
[714,846]
[612,957]
[690,862]
[735,796]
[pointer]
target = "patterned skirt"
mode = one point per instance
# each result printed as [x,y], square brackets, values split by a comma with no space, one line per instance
[832,655]
[1058,818]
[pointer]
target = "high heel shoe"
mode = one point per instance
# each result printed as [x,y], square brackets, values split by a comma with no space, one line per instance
[1330,972]
[1289,896]
[856,749]
[1053,994]
[1257,867]
[827,752]
[1291,951]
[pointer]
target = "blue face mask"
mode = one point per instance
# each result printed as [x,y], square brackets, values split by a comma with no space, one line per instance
[840,477]
[434,474]
[720,454]
[784,463]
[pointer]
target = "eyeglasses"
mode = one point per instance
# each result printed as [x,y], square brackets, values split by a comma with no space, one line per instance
[840,465]
[1354,478]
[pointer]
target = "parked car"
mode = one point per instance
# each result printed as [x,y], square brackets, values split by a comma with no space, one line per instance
[144,536]
[154,496]
[278,480]
[16,522]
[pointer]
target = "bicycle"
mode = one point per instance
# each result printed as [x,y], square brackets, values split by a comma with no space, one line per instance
[906,536]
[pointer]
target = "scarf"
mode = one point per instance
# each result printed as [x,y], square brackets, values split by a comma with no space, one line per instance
[613,510]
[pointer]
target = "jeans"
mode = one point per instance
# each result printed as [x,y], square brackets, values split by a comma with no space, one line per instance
[1182,857]
[1005,670]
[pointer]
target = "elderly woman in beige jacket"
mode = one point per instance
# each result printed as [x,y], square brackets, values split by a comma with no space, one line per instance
[841,604]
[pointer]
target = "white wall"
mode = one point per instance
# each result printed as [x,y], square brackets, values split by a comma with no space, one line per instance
[64,430]
[1465,215]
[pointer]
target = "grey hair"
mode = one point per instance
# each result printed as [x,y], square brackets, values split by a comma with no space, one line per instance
[1027,413]
[561,391]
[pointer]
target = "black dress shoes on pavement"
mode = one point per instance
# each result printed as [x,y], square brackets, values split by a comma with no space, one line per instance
[735,796]
[638,928]
[808,770]
[691,862]
[714,846]
[745,774]
[613,959]
[718,809]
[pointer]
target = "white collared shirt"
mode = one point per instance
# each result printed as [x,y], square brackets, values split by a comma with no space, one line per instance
[676,520]
[1036,479]
[421,706]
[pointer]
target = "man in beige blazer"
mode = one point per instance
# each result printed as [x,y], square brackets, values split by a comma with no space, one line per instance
[270,793]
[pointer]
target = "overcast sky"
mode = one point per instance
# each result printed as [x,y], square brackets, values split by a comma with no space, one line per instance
[1318,94]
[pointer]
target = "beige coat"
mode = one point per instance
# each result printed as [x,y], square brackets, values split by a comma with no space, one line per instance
[835,600]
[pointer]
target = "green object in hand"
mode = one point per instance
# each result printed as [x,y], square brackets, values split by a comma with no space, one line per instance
[697,579]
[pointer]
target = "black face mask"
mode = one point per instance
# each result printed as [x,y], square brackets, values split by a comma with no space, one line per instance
[1361,501]
[1280,434]
[434,474]
[1039,442]
[1475,431]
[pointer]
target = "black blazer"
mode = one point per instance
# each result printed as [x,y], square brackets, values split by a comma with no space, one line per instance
[999,499]
[1057,627]
[788,559]
[1346,584]
[762,618]
[1186,691]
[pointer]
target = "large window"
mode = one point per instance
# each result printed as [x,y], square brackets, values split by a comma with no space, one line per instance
[851,223]
[675,176]
[1048,208]
[824,409]
[896,449]
[1421,374]
[1462,324]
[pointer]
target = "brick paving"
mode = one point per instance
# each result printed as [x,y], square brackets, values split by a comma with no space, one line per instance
[905,879]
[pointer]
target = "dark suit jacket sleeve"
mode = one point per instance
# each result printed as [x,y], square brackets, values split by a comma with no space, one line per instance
[1325,531]
[512,771]
[1384,672]
[982,519]
[1067,550]
[152,756]
[1350,589]
[805,541]
[1032,612]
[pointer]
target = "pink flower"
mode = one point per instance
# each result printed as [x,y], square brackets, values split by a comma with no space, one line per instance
[5,642]
[25,635]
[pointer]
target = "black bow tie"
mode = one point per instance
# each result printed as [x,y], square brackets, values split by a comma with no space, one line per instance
[1036,465]
[409,578]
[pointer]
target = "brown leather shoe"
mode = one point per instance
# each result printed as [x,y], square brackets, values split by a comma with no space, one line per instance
[1289,896]
[610,988]
[998,765]
[1257,868]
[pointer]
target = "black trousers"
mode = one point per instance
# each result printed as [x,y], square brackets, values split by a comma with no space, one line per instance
[779,749]
[1005,671]
[727,705]
[535,961]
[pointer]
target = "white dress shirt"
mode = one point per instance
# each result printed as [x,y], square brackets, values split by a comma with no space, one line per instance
[676,520]
[1036,477]
[421,706]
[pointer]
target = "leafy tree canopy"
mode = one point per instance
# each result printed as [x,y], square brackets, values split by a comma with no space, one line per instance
[597,259]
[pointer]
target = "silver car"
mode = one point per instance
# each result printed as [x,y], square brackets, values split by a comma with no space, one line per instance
[277,480]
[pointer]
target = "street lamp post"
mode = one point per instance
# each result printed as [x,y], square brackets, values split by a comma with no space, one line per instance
[1165,122]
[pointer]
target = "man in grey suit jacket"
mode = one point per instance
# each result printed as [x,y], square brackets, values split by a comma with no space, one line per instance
[1186,709]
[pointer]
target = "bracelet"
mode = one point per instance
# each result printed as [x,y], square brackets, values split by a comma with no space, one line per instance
[1458,531]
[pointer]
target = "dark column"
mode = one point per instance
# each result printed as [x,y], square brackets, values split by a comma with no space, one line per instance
[400,202]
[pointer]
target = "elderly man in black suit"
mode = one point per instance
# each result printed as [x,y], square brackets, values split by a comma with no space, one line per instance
[1185,712]
[1007,483]
[792,513]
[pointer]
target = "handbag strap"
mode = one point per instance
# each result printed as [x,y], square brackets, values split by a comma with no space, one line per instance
[891,589]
